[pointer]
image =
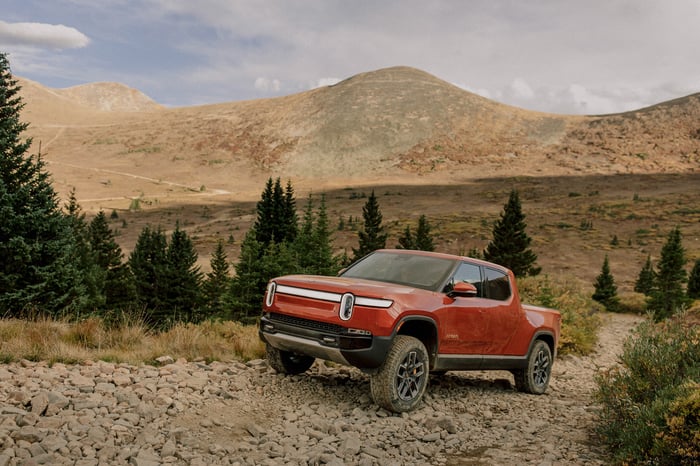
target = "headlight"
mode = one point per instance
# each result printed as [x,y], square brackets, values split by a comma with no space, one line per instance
[270,294]
[347,302]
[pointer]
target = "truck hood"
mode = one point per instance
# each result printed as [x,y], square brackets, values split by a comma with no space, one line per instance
[356,286]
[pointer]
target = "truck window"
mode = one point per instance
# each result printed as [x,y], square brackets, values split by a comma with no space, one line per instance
[497,284]
[469,273]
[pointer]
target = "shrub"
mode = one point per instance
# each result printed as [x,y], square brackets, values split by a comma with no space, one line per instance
[580,316]
[632,303]
[681,439]
[650,406]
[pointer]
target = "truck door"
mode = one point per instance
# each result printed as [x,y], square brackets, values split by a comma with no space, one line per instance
[501,311]
[464,332]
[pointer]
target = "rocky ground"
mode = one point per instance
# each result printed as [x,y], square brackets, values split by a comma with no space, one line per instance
[193,413]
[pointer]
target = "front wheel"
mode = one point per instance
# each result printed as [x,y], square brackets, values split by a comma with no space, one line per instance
[401,380]
[286,362]
[535,377]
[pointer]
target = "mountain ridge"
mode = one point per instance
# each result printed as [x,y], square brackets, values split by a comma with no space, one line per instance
[393,123]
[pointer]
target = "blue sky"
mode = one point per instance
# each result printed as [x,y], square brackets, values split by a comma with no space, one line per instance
[562,56]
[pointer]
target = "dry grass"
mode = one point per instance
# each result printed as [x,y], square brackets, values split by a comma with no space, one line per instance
[50,340]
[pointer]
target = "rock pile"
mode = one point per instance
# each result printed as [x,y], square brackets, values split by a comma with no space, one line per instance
[194,413]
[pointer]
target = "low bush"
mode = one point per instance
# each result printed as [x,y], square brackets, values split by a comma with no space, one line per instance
[580,315]
[632,303]
[651,403]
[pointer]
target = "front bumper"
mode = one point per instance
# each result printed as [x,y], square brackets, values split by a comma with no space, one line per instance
[322,340]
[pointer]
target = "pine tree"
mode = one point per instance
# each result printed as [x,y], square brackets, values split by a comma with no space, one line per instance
[38,251]
[276,214]
[406,240]
[668,296]
[605,288]
[256,265]
[267,217]
[510,246]
[424,240]
[273,232]
[645,280]
[93,276]
[182,297]
[118,289]
[148,264]
[694,281]
[248,284]
[304,242]
[326,262]
[289,217]
[217,282]
[421,241]
[372,236]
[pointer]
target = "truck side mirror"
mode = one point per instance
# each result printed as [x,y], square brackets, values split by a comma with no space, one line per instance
[463,289]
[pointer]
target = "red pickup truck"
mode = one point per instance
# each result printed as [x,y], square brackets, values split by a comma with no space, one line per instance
[399,315]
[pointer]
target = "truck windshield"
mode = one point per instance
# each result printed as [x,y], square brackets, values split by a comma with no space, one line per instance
[415,270]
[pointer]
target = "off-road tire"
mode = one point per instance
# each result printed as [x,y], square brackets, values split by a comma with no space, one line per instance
[535,377]
[401,380]
[286,362]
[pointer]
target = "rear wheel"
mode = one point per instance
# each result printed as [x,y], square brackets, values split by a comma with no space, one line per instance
[286,362]
[401,380]
[535,377]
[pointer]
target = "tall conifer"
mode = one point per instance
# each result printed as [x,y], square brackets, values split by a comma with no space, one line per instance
[372,235]
[424,239]
[668,295]
[148,263]
[119,290]
[217,282]
[510,246]
[605,288]
[182,296]
[93,276]
[37,249]
[645,279]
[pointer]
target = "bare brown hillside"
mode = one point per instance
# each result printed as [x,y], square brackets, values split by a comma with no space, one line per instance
[425,145]
[395,123]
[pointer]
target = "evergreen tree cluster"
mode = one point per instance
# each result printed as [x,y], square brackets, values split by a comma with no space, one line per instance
[663,285]
[282,248]
[422,240]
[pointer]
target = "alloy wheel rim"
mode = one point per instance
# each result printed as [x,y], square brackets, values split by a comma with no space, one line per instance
[410,376]
[540,371]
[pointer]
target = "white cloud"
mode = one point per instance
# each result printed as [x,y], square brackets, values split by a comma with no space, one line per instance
[521,89]
[267,84]
[55,36]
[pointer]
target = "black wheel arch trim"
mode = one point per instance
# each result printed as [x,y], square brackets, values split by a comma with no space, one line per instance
[431,343]
[548,337]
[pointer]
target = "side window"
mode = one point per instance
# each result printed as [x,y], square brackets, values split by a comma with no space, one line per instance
[497,285]
[469,273]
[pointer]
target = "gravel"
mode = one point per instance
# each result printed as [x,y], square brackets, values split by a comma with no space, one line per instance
[193,413]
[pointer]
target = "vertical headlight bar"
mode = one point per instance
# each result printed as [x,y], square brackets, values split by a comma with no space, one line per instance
[270,295]
[347,303]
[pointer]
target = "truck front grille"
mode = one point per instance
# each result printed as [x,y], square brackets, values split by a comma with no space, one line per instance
[306,323]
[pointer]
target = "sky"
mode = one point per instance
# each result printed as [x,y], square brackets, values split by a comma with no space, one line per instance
[560,56]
